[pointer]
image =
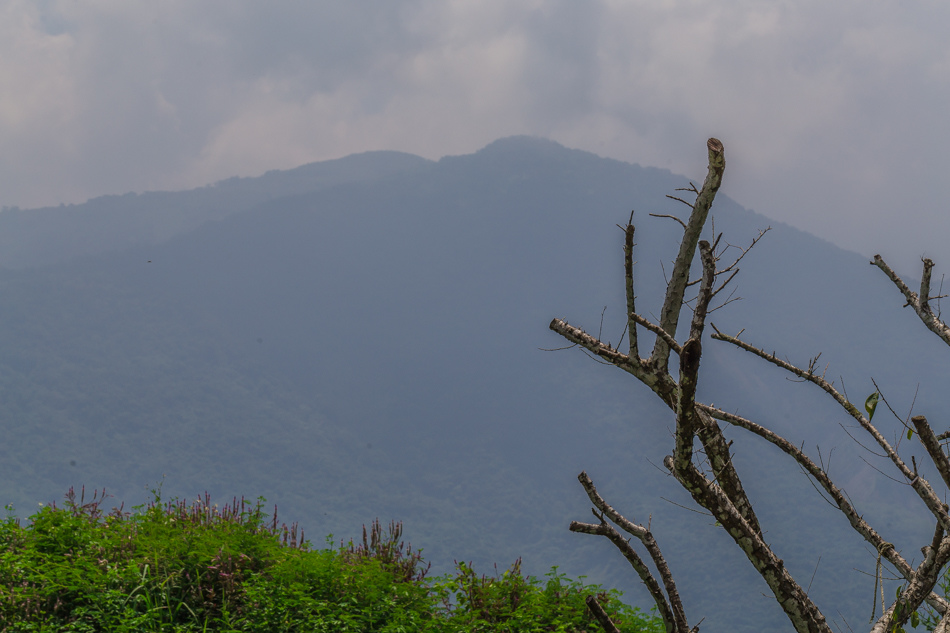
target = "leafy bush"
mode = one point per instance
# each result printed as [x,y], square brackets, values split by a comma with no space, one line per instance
[180,567]
[511,602]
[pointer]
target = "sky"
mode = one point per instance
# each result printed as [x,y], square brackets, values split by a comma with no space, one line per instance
[834,115]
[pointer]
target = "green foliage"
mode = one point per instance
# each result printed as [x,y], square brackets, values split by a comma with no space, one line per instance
[899,613]
[931,618]
[511,602]
[176,566]
[870,404]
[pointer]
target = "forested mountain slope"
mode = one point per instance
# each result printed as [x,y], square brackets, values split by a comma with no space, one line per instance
[109,223]
[366,338]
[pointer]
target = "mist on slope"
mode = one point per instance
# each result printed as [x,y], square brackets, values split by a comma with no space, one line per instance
[367,338]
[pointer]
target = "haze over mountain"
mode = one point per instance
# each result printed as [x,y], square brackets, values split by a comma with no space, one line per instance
[366,337]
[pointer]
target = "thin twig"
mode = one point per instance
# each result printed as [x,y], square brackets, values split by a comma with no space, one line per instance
[920,485]
[672,217]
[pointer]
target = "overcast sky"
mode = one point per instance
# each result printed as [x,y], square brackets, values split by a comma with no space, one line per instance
[834,115]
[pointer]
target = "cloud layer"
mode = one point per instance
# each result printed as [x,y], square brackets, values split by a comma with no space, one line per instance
[833,114]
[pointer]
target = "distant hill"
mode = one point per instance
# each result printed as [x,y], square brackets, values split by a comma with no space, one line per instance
[111,223]
[366,337]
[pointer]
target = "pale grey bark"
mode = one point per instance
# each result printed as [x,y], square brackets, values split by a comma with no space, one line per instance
[919,302]
[713,481]
[601,615]
[672,304]
[943,626]
[887,550]
[628,245]
[919,484]
[932,445]
[668,604]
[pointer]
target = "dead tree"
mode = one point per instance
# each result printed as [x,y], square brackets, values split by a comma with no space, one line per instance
[701,461]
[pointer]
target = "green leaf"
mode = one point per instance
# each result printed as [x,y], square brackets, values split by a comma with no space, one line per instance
[914,619]
[910,433]
[871,404]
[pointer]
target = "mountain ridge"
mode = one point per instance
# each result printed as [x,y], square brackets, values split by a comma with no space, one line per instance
[374,348]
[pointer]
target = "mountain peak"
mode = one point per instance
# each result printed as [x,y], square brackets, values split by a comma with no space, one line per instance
[522,143]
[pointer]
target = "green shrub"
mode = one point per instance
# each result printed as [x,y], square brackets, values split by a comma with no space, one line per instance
[180,567]
[512,602]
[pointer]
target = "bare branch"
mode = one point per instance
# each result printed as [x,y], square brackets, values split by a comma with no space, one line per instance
[628,245]
[673,609]
[921,584]
[690,423]
[658,331]
[745,251]
[601,615]
[669,314]
[686,419]
[725,283]
[944,625]
[605,529]
[660,382]
[932,444]
[717,450]
[820,475]
[935,542]
[709,433]
[691,187]
[919,484]
[925,285]
[705,290]
[904,422]
[801,611]
[594,345]
[673,217]
[920,303]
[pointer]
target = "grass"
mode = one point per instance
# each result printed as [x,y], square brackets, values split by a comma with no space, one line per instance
[181,567]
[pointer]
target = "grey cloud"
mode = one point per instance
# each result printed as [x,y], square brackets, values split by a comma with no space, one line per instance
[833,114]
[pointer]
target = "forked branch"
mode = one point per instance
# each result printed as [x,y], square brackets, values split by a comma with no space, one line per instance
[669,604]
[919,484]
[919,302]
[862,527]
[670,312]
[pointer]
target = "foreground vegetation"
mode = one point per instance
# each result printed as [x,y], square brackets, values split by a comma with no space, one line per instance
[174,566]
